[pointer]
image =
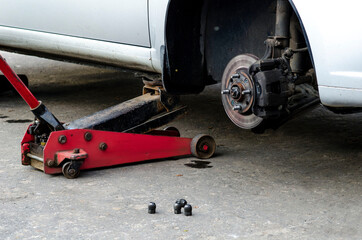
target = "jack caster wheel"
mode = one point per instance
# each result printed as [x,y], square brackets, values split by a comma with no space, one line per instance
[203,146]
[70,172]
[173,129]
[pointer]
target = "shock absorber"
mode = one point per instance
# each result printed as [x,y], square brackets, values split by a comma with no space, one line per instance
[282,19]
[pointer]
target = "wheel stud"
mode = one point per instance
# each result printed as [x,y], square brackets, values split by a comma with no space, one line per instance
[227,91]
[237,108]
[247,91]
[234,76]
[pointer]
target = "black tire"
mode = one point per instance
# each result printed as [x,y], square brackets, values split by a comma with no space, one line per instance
[203,146]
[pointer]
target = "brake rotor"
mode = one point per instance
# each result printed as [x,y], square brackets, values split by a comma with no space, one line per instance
[237,89]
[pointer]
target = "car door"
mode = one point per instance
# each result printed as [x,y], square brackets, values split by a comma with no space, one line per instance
[118,21]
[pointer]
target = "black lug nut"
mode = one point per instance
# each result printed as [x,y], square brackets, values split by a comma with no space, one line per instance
[152,208]
[177,208]
[182,202]
[188,210]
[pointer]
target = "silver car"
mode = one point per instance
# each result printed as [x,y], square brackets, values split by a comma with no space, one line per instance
[273,58]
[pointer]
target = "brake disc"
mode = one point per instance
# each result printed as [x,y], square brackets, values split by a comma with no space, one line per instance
[237,89]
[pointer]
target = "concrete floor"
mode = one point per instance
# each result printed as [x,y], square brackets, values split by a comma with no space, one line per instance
[302,181]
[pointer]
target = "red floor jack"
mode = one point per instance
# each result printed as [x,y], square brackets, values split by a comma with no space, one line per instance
[106,138]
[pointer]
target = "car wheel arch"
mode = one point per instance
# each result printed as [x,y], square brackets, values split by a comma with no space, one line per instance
[201,37]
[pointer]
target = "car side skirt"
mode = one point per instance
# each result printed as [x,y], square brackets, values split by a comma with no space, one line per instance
[340,97]
[81,49]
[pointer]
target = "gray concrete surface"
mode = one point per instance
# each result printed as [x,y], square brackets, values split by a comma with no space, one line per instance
[302,181]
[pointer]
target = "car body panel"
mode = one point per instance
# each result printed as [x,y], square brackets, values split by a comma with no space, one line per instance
[80,49]
[334,36]
[157,18]
[120,21]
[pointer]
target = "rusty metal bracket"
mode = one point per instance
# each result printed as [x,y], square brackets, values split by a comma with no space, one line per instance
[168,101]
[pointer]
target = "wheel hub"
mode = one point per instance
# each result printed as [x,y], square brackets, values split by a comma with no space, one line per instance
[238,92]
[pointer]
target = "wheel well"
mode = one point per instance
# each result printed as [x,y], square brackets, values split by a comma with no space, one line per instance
[183,62]
[201,37]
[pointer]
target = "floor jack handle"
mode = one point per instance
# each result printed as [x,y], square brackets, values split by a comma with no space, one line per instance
[18,84]
[38,109]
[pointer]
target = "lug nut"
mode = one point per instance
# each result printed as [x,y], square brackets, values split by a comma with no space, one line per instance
[188,210]
[177,208]
[103,146]
[182,202]
[62,139]
[227,91]
[237,108]
[152,208]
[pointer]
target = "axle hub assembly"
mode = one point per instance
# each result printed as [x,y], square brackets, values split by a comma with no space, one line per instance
[238,93]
